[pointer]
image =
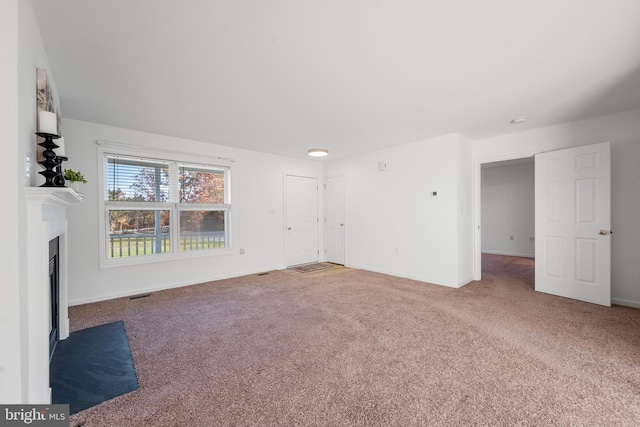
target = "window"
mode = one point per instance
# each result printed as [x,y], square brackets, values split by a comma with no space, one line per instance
[158,208]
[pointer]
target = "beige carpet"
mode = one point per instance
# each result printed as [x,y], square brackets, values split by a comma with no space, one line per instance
[345,347]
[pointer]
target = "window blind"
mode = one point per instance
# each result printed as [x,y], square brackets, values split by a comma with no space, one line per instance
[137,180]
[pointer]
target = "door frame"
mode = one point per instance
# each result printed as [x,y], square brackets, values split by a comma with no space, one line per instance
[477,202]
[477,197]
[319,213]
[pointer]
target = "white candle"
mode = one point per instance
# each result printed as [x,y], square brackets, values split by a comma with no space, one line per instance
[48,122]
[60,150]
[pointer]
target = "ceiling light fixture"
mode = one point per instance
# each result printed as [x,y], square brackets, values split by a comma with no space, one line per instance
[518,120]
[318,152]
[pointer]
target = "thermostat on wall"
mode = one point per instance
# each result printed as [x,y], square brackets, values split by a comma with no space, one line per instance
[382,166]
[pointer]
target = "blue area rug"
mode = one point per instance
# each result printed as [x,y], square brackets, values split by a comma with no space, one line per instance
[91,366]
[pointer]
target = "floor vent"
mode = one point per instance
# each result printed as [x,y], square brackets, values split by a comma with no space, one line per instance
[262,274]
[140,296]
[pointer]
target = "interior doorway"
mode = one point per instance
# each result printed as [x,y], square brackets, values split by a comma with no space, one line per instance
[572,222]
[508,214]
[505,194]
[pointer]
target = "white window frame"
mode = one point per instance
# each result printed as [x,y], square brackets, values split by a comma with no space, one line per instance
[173,206]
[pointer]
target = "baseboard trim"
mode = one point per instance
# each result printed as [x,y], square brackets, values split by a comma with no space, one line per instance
[625,302]
[139,291]
[509,254]
[465,282]
[402,276]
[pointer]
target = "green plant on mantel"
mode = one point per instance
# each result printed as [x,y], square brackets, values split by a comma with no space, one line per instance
[74,176]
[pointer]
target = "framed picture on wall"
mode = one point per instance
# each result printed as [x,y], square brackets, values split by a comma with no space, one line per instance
[45,101]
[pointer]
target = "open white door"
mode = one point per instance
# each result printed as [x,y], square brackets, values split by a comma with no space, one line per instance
[301,198]
[334,220]
[573,223]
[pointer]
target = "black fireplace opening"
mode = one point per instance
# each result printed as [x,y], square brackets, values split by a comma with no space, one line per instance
[54,289]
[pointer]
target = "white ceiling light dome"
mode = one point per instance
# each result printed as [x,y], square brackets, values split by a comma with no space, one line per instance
[318,152]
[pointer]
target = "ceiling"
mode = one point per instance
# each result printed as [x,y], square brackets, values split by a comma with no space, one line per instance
[352,76]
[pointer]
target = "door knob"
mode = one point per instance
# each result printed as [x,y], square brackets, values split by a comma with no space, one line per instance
[603,232]
[341,225]
[288,228]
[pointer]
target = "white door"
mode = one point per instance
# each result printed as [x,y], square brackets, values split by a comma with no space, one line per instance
[334,220]
[301,222]
[573,223]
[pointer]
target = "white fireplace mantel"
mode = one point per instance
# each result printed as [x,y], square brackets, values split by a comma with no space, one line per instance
[46,220]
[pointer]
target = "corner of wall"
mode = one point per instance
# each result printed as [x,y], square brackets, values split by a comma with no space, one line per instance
[11,360]
[21,52]
[465,210]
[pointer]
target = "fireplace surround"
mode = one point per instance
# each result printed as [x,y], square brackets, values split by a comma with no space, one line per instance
[54,295]
[46,221]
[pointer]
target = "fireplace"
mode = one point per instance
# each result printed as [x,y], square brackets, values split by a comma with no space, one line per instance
[54,295]
[47,312]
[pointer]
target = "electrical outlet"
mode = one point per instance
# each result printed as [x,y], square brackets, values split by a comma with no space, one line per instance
[532,239]
[27,166]
[241,251]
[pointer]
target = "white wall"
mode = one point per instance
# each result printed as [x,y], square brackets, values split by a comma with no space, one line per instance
[394,226]
[11,389]
[21,52]
[508,209]
[623,131]
[465,211]
[257,187]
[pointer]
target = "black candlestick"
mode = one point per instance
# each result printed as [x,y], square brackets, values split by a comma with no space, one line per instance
[59,178]
[49,162]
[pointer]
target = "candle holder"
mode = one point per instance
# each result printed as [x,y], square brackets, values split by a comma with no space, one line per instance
[59,178]
[50,162]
